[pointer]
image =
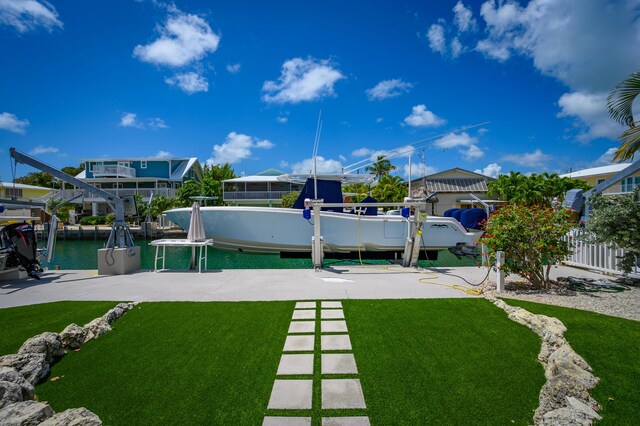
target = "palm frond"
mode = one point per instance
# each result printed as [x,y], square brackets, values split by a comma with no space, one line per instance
[630,143]
[620,100]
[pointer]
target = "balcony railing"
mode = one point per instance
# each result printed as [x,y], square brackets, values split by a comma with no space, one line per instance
[112,170]
[254,195]
[145,193]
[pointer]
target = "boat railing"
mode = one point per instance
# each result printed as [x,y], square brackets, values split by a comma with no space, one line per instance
[66,194]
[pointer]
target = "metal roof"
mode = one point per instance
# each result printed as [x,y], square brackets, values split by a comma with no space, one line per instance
[22,186]
[596,171]
[455,184]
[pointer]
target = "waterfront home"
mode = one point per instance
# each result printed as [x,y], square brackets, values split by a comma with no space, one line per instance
[16,200]
[260,190]
[132,176]
[454,187]
[596,175]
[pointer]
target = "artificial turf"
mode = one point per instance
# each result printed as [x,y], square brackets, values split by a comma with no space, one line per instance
[444,361]
[177,363]
[451,361]
[611,346]
[19,323]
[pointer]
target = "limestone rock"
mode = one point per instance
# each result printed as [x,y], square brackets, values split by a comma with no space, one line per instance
[113,314]
[574,413]
[33,367]
[25,413]
[96,328]
[73,417]
[565,361]
[10,375]
[47,343]
[10,393]
[73,336]
[540,324]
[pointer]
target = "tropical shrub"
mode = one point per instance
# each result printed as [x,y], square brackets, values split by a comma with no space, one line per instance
[532,189]
[160,204]
[289,199]
[94,220]
[62,213]
[359,189]
[530,237]
[390,189]
[615,219]
[110,218]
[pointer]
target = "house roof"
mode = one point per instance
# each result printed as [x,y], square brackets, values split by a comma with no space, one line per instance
[254,178]
[184,167]
[270,172]
[596,171]
[455,184]
[459,170]
[23,186]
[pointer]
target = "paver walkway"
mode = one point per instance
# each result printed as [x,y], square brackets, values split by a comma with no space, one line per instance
[312,367]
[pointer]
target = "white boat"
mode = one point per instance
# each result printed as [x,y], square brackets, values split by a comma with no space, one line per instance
[286,231]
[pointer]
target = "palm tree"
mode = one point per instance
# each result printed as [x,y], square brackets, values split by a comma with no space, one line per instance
[620,103]
[382,167]
[390,189]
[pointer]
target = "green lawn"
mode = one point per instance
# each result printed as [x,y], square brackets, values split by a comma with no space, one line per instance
[448,361]
[444,361]
[18,324]
[612,347]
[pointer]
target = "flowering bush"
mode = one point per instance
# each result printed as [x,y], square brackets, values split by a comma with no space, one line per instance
[530,237]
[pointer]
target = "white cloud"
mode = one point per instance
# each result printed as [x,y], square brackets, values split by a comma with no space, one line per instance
[361,152]
[492,170]
[163,154]
[453,140]
[418,170]
[421,117]
[471,153]
[233,68]
[379,120]
[282,119]
[12,123]
[302,80]
[283,164]
[530,159]
[27,15]
[323,166]
[41,149]
[437,40]
[456,47]
[184,38]
[388,89]
[236,148]
[590,109]
[463,18]
[606,158]
[130,119]
[189,82]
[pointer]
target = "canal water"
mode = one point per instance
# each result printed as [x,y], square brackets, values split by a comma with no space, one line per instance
[82,254]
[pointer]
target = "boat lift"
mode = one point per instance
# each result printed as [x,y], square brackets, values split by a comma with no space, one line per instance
[121,256]
[412,244]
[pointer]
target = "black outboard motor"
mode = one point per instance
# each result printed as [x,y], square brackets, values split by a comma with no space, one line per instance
[18,241]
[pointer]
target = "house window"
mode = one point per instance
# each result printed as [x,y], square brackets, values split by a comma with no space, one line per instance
[600,181]
[143,164]
[123,163]
[13,192]
[628,184]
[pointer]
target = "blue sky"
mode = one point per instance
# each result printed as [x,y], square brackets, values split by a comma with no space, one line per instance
[244,81]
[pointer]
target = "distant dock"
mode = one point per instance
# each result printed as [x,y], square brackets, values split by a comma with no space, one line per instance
[146,231]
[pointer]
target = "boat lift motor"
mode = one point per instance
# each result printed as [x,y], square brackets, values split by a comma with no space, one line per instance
[120,255]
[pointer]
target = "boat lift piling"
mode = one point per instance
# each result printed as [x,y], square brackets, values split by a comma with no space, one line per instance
[413,242]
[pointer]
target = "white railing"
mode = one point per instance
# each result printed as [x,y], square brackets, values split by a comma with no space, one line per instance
[254,195]
[101,170]
[145,193]
[601,257]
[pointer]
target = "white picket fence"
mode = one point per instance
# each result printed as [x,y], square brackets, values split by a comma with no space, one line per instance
[600,257]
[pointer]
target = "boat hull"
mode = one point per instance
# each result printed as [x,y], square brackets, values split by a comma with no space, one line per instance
[280,230]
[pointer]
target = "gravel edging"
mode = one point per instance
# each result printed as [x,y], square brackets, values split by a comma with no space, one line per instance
[625,304]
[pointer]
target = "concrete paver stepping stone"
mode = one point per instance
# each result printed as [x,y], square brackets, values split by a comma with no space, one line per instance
[346,421]
[333,327]
[295,364]
[286,421]
[331,305]
[291,395]
[305,305]
[299,314]
[302,327]
[339,364]
[299,343]
[335,342]
[332,314]
[342,393]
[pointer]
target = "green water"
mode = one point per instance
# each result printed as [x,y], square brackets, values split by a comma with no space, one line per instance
[82,254]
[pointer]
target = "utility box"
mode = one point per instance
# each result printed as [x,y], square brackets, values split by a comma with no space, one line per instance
[118,261]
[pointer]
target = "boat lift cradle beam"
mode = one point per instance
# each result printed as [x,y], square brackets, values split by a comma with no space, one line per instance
[120,235]
[412,244]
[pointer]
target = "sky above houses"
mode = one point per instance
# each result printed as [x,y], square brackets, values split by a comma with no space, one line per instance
[244,82]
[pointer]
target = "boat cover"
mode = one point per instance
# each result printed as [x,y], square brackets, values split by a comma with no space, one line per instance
[472,218]
[328,190]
